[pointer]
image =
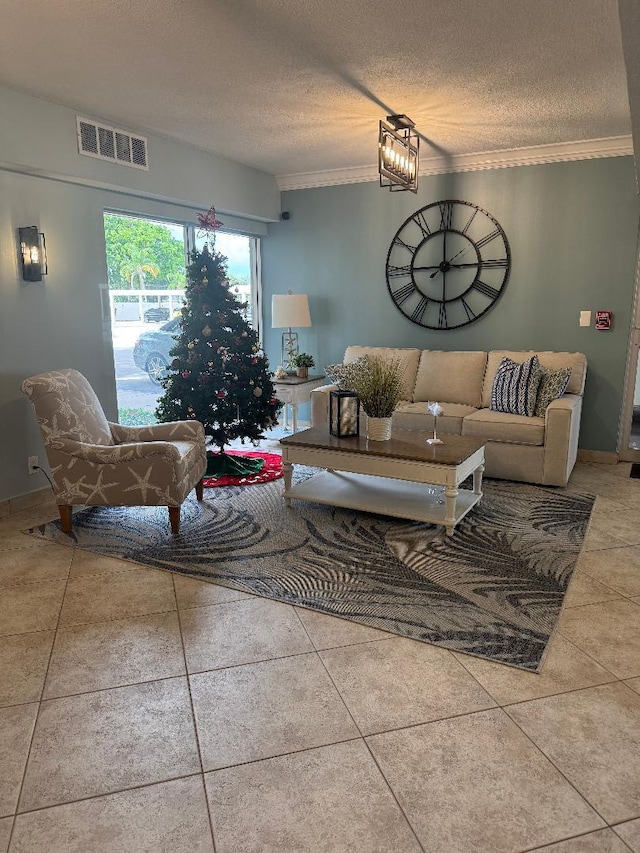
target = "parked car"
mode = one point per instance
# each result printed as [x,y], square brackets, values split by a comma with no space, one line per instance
[151,350]
[156,315]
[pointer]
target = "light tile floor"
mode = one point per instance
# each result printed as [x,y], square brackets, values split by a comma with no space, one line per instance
[141,711]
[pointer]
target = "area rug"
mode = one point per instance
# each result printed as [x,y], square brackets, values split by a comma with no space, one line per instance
[271,470]
[494,589]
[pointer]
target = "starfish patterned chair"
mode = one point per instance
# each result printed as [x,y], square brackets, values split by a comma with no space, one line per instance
[97,463]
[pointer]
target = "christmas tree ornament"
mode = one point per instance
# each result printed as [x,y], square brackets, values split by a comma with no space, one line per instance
[207,331]
[245,334]
[190,345]
[185,374]
[209,223]
[257,391]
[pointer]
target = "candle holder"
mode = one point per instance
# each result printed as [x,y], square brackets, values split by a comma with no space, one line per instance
[435,409]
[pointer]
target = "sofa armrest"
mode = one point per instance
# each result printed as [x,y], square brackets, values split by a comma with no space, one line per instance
[561,434]
[172,431]
[110,454]
[320,405]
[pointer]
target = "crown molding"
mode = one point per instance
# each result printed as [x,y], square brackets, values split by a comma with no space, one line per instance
[588,149]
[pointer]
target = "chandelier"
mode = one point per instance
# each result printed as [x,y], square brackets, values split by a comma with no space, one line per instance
[398,146]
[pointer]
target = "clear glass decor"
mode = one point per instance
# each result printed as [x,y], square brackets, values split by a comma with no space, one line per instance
[436,410]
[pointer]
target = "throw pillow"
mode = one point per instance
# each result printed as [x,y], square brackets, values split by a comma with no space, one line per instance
[553,384]
[515,387]
[341,374]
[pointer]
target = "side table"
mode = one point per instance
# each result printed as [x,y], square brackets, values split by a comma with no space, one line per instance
[293,391]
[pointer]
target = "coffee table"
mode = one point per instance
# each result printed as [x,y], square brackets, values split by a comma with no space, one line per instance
[395,477]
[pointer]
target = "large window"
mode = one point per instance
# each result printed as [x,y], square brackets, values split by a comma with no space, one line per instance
[146,262]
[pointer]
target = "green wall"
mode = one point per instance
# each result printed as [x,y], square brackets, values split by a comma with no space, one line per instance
[572,228]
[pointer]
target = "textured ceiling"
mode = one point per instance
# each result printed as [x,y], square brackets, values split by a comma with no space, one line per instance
[294,86]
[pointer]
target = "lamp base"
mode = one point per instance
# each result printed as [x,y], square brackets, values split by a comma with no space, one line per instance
[290,347]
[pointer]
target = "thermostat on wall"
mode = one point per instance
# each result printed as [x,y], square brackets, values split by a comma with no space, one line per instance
[603,319]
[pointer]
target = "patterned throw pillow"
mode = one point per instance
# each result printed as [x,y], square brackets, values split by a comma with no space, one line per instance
[515,386]
[553,384]
[340,374]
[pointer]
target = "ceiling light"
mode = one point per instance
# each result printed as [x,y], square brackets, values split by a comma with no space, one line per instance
[398,146]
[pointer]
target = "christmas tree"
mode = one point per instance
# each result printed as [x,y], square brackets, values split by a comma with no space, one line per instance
[219,373]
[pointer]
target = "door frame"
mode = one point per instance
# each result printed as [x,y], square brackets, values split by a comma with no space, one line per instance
[626,453]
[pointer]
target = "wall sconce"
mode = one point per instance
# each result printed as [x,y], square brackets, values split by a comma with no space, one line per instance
[33,253]
[398,152]
[287,310]
[344,413]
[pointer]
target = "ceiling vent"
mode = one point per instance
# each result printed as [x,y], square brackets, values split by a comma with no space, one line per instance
[109,143]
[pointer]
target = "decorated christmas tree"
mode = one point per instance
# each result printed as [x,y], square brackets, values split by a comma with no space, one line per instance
[219,373]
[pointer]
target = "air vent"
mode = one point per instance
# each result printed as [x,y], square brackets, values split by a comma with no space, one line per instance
[109,143]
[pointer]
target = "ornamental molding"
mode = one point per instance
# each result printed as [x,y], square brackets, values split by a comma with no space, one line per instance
[559,152]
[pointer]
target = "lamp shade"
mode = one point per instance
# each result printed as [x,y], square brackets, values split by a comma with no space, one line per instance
[290,309]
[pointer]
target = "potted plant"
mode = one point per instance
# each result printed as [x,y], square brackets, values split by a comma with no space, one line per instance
[302,361]
[378,384]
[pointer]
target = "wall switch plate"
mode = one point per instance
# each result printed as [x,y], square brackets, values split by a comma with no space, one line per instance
[32,463]
[585,318]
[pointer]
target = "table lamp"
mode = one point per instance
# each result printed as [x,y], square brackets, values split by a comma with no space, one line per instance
[288,310]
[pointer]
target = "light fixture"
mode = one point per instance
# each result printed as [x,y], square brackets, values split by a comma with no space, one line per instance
[287,310]
[398,152]
[33,253]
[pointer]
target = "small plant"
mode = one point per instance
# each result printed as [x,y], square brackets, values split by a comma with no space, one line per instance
[302,359]
[378,384]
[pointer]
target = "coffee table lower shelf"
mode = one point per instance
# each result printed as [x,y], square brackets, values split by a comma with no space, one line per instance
[382,495]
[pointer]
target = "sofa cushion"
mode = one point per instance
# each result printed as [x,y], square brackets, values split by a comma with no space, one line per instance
[415,416]
[408,359]
[453,377]
[502,426]
[515,387]
[551,360]
[553,384]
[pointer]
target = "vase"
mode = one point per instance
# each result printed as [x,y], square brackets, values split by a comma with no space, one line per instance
[378,429]
[302,372]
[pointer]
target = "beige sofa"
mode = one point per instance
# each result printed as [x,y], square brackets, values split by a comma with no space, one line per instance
[530,449]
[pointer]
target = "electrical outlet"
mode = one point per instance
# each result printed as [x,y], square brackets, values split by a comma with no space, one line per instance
[32,464]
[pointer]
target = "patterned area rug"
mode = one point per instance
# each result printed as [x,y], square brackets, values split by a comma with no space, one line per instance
[494,589]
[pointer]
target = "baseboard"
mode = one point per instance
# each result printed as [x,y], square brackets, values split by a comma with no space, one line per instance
[602,457]
[28,501]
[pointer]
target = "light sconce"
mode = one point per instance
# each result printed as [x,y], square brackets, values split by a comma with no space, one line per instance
[287,310]
[33,253]
[398,153]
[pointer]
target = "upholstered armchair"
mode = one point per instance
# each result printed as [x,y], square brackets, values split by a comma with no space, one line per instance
[97,463]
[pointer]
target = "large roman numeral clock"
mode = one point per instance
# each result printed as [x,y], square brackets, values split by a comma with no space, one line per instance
[448,264]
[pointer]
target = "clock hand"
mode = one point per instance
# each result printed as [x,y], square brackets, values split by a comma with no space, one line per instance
[441,266]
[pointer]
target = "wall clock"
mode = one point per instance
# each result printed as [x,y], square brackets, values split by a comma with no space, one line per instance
[448,264]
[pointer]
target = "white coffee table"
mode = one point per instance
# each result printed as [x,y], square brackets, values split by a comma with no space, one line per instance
[387,477]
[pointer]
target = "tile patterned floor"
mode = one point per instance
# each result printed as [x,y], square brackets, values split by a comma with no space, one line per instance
[141,711]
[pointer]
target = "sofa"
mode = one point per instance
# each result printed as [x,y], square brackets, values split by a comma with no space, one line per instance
[539,450]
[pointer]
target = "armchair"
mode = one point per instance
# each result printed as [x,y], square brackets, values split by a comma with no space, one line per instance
[97,463]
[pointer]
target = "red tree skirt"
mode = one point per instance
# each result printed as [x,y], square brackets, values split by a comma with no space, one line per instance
[271,470]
